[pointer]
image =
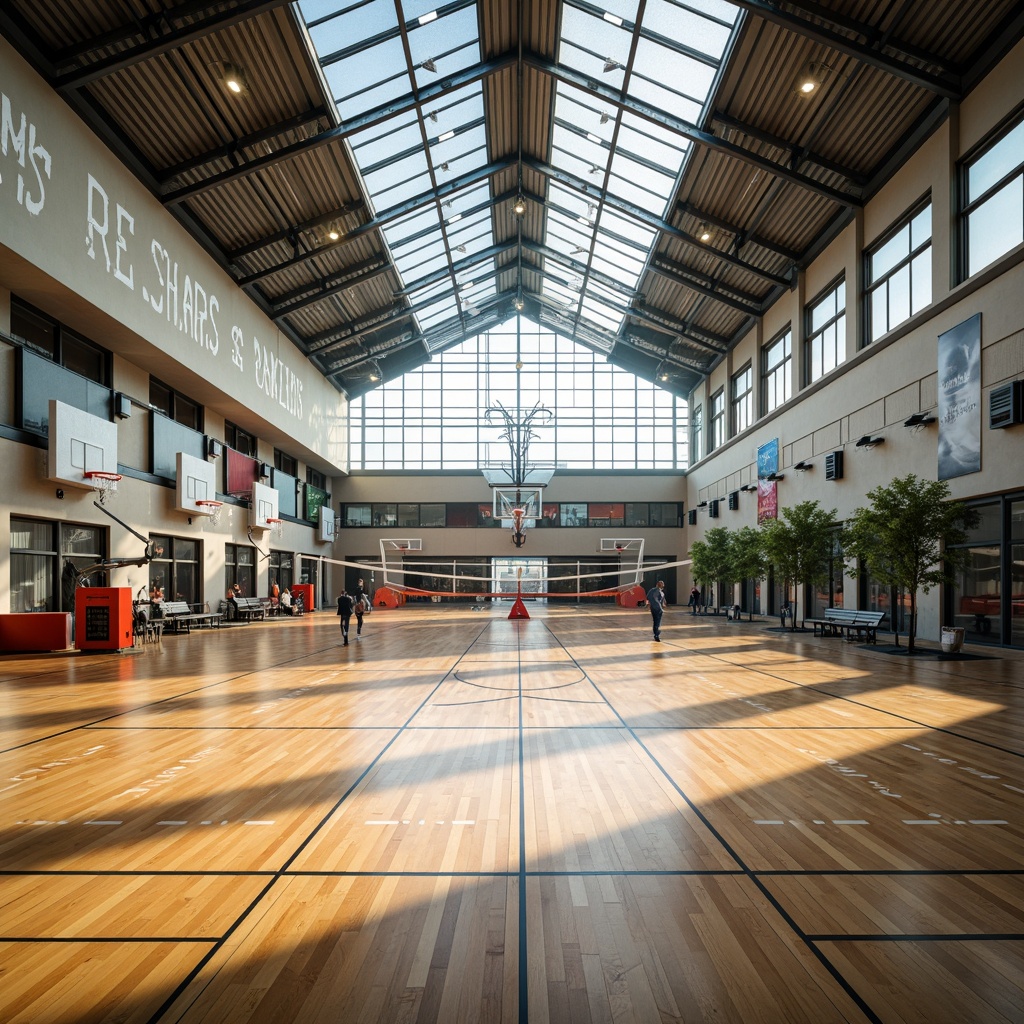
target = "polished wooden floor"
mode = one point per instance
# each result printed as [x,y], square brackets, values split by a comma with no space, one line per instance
[465,818]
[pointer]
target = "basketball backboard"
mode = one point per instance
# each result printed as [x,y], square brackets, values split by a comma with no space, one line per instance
[79,443]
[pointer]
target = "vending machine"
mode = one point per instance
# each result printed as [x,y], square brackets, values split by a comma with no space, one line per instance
[103,618]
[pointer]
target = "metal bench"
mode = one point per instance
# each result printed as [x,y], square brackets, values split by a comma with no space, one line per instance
[177,615]
[249,608]
[849,622]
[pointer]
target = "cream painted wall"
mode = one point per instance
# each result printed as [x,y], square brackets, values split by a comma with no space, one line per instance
[89,245]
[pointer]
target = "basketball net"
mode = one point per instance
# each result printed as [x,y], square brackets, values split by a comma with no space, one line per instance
[211,509]
[104,484]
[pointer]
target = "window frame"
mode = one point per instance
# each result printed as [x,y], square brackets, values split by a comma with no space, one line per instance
[718,421]
[965,208]
[784,368]
[906,261]
[740,402]
[810,335]
[63,339]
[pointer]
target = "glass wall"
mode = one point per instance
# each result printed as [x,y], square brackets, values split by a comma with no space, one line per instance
[40,552]
[174,569]
[240,569]
[433,416]
[977,594]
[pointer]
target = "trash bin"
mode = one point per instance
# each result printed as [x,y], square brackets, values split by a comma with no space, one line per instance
[952,639]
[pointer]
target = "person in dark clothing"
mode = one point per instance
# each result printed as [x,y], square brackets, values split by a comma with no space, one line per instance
[345,608]
[361,604]
[694,599]
[656,602]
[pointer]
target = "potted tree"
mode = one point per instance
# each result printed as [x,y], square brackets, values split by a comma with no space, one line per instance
[799,545]
[899,537]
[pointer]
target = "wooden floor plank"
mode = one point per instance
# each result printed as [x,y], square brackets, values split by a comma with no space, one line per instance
[357,833]
[905,904]
[135,906]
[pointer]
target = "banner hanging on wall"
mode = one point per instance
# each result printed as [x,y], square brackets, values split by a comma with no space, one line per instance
[767,490]
[960,399]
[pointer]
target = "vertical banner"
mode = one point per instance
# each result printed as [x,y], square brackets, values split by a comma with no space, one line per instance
[960,399]
[767,490]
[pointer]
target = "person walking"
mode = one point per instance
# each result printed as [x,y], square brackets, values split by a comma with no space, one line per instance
[361,605]
[694,599]
[656,602]
[345,608]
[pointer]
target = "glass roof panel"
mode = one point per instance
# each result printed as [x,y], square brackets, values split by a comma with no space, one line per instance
[334,27]
[369,77]
[657,144]
[451,42]
[707,34]
[380,142]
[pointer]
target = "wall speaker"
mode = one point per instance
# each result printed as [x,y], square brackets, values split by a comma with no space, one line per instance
[1006,405]
[834,466]
[691,517]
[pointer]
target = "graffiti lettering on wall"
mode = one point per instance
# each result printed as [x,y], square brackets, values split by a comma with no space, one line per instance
[18,139]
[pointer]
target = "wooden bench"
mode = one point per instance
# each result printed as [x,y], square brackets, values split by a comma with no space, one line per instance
[177,615]
[854,624]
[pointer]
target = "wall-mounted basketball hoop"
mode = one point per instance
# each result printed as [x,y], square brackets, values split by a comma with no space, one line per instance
[105,484]
[276,527]
[209,508]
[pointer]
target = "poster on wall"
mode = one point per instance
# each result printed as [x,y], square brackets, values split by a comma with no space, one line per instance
[960,399]
[767,490]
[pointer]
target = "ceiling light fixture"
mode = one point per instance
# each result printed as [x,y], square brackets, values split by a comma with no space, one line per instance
[429,65]
[611,65]
[605,117]
[812,78]
[519,205]
[333,234]
[432,114]
[705,234]
[444,166]
[867,441]
[234,79]
[460,248]
[578,250]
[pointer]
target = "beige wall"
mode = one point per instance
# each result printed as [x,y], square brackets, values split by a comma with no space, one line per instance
[878,387]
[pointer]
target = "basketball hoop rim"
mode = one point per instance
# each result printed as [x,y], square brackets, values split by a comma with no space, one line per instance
[99,474]
[208,503]
[273,520]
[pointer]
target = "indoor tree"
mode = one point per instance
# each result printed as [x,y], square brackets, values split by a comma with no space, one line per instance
[899,537]
[712,559]
[799,545]
[748,558]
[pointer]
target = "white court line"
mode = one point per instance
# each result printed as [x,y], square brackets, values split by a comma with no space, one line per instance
[259,823]
[103,823]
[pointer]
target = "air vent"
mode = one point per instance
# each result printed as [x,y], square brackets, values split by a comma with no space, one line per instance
[713,509]
[1006,405]
[834,466]
[691,517]
[734,500]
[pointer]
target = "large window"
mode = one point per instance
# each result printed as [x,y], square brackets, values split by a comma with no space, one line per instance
[993,199]
[899,273]
[175,569]
[59,343]
[776,372]
[239,439]
[742,396]
[826,333]
[697,435]
[281,569]
[175,405]
[433,416]
[41,551]
[240,569]
[717,420]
